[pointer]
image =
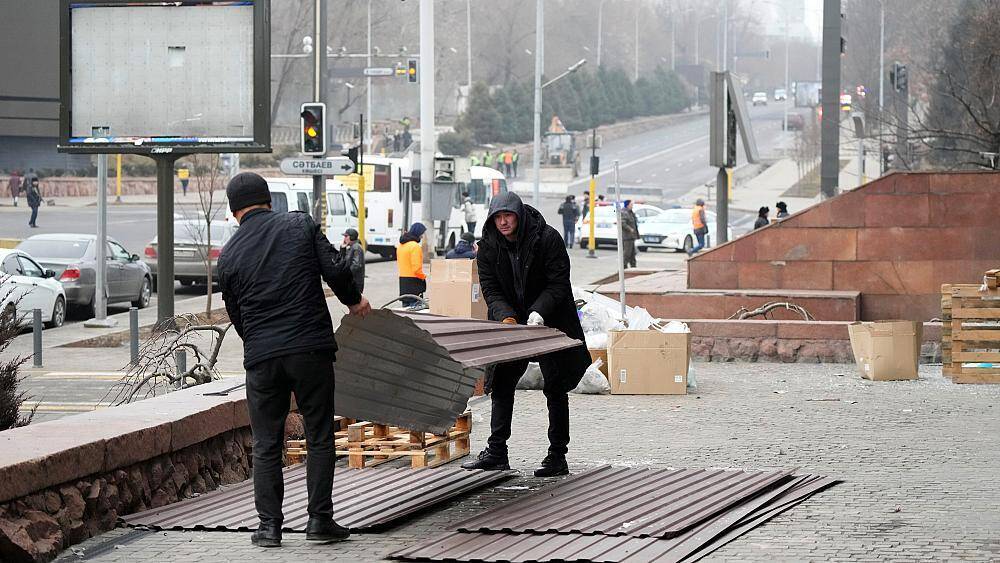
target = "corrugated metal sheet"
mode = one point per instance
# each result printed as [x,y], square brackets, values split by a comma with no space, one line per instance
[575,547]
[418,371]
[617,501]
[362,499]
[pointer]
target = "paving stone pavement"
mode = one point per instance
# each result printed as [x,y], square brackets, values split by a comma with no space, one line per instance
[920,462]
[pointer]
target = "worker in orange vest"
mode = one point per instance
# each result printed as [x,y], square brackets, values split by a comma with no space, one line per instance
[699,225]
[508,163]
[410,260]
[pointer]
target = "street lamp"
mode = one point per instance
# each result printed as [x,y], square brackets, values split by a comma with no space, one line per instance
[537,145]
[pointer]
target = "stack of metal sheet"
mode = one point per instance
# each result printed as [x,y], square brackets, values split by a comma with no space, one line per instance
[418,371]
[612,514]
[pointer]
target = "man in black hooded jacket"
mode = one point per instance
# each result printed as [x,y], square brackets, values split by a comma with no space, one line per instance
[524,275]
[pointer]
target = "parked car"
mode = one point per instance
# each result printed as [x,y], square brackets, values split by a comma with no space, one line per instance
[191,248]
[759,99]
[796,122]
[25,286]
[672,229]
[780,95]
[606,229]
[73,259]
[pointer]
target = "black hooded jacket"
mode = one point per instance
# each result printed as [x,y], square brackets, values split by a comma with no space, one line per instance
[531,275]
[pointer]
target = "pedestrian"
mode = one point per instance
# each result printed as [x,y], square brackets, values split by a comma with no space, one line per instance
[464,248]
[699,225]
[410,261]
[353,256]
[524,272]
[630,233]
[469,210]
[14,185]
[586,203]
[34,196]
[762,220]
[473,160]
[782,210]
[271,273]
[600,198]
[488,160]
[508,163]
[183,174]
[513,160]
[570,213]
[31,175]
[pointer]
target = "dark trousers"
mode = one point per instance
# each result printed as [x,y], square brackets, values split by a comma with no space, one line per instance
[411,286]
[569,234]
[269,386]
[471,225]
[700,235]
[34,215]
[628,252]
[505,379]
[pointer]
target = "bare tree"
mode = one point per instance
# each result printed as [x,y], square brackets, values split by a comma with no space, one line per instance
[207,181]
[156,369]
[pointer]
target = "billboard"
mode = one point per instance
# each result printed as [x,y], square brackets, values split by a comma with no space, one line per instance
[153,76]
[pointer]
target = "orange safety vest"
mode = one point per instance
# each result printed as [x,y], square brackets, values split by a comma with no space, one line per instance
[508,158]
[696,217]
[410,260]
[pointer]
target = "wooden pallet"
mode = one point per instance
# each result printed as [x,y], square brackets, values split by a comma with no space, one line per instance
[946,329]
[973,335]
[367,444]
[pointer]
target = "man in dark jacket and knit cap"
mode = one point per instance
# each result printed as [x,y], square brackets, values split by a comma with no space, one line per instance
[270,273]
[524,275]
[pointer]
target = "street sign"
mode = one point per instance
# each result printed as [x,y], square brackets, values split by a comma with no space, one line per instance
[379,71]
[335,166]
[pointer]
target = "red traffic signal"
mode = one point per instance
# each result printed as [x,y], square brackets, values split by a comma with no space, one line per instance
[313,120]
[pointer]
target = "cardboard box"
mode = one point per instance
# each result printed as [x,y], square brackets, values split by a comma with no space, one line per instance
[886,350]
[648,362]
[600,354]
[453,289]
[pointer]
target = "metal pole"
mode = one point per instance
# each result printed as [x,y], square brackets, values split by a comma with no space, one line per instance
[165,236]
[830,151]
[118,178]
[362,188]
[100,291]
[319,95]
[600,31]
[36,331]
[180,358]
[673,43]
[428,142]
[133,334]
[725,34]
[370,93]
[881,80]
[468,44]
[621,244]
[592,197]
[722,206]
[536,163]
[784,103]
[861,161]
[636,72]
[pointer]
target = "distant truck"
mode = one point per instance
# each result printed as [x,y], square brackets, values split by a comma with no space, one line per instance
[807,94]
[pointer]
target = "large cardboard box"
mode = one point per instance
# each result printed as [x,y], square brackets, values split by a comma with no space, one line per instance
[648,362]
[453,289]
[886,350]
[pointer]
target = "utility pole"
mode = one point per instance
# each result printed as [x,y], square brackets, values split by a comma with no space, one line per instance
[536,163]
[881,80]
[784,103]
[319,96]
[636,73]
[673,42]
[725,35]
[368,88]
[600,30]
[428,142]
[468,43]
[830,151]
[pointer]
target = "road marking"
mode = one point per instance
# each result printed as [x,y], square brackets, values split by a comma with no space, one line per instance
[57,406]
[642,159]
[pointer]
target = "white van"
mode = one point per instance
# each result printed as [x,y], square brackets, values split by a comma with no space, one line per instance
[296,194]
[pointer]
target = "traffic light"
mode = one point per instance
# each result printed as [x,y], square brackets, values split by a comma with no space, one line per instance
[313,128]
[902,78]
[411,70]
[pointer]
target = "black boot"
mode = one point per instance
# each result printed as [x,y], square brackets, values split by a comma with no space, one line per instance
[553,465]
[267,535]
[488,461]
[325,530]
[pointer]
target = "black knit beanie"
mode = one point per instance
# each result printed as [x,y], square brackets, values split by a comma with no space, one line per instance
[246,189]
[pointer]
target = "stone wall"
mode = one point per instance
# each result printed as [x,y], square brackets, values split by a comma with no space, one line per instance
[895,240]
[38,526]
[65,480]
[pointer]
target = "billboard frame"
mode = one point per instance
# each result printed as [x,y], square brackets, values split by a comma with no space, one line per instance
[261,88]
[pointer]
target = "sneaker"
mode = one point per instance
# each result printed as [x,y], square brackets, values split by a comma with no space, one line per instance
[325,530]
[266,536]
[488,461]
[553,465]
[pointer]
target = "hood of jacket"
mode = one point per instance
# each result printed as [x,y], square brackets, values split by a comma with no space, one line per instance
[529,219]
[408,237]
